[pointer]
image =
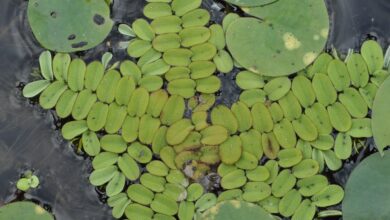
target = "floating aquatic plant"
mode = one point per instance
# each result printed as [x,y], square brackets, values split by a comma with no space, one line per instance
[24,210]
[137,132]
[367,189]
[68,26]
[316,103]
[281,38]
[27,181]
[176,45]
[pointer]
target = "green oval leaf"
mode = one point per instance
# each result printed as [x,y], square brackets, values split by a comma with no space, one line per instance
[126,30]
[45,62]
[51,94]
[91,144]
[73,129]
[34,88]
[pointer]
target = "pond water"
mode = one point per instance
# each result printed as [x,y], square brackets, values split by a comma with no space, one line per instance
[30,139]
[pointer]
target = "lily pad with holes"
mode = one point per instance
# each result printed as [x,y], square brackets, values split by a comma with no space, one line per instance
[367,190]
[281,38]
[69,25]
[380,116]
[24,210]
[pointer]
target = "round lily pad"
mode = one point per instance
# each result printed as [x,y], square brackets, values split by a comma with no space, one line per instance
[380,116]
[71,25]
[281,38]
[24,210]
[367,190]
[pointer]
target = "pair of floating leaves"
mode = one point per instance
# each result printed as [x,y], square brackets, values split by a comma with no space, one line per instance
[276,42]
[68,26]
[27,181]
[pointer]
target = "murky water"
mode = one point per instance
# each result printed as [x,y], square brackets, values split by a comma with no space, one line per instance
[29,137]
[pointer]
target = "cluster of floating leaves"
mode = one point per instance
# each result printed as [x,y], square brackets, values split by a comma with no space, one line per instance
[150,159]
[177,46]
[27,182]
[309,123]
[331,95]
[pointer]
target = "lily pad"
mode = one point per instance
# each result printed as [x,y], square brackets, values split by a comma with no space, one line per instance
[380,116]
[367,190]
[24,210]
[250,3]
[68,26]
[276,41]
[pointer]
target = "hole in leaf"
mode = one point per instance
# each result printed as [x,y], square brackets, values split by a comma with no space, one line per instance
[80,44]
[98,19]
[72,37]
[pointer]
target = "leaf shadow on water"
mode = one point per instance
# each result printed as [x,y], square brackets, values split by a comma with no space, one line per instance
[29,136]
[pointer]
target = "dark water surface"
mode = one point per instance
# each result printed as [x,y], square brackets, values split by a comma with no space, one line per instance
[29,137]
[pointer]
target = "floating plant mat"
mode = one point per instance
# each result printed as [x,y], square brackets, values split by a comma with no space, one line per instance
[154,161]
[24,210]
[367,190]
[70,25]
[297,143]
[281,38]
